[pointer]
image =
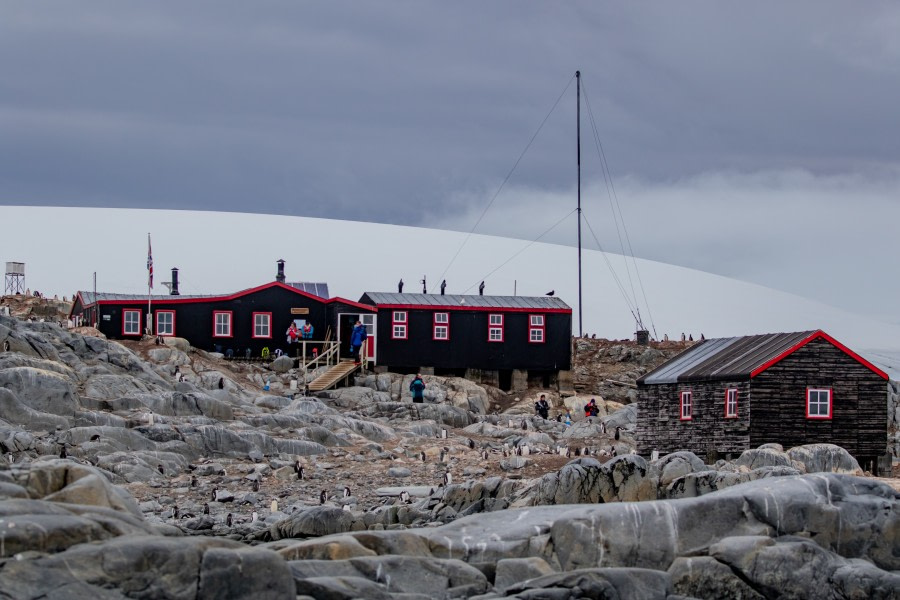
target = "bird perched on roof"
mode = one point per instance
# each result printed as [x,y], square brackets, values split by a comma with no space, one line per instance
[551,293]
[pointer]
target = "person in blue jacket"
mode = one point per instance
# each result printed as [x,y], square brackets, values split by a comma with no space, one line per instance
[357,339]
[417,387]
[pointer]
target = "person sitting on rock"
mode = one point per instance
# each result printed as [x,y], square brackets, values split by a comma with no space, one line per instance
[417,387]
[541,407]
[591,409]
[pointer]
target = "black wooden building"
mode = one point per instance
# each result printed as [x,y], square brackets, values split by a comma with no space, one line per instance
[240,323]
[724,396]
[488,338]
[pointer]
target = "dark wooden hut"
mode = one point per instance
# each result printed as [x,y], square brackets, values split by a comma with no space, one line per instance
[724,396]
[497,339]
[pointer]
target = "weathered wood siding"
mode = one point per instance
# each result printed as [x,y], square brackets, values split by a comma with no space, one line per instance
[859,402]
[659,424]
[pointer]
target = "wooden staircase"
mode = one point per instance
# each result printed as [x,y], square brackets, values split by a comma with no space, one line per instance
[333,376]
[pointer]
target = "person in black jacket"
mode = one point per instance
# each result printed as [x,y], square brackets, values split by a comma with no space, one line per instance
[541,407]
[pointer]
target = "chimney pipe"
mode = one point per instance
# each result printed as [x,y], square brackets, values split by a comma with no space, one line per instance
[443,286]
[174,291]
[280,277]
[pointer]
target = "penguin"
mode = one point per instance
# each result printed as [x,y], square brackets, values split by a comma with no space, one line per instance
[443,434]
[193,481]
[484,454]
[346,491]
[442,456]
[215,493]
[256,485]
[568,452]
[95,437]
[525,450]
[229,520]
[63,453]
[206,508]
[422,455]
[509,424]
[617,432]
[175,512]
[404,497]
[577,451]
[299,473]
[10,457]
[471,444]
[524,425]
[612,450]
[161,469]
[322,497]
[448,478]
[6,345]
[518,450]
[346,507]
[274,506]
[505,453]
[603,427]
[254,517]
[221,383]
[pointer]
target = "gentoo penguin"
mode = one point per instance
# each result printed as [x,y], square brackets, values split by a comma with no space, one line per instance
[612,449]
[617,432]
[505,453]
[221,383]
[524,424]
[322,497]
[256,485]
[215,493]
[347,507]
[443,434]
[6,345]
[274,506]
[568,452]
[484,454]
[518,450]
[95,437]
[229,520]
[448,478]
[63,453]
[509,424]
[175,512]
[346,491]
[404,497]
[205,508]
[193,481]
[471,444]
[299,473]
[254,517]
[442,456]
[525,450]
[161,469]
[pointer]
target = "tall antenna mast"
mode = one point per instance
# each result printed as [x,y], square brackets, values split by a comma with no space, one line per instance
[578,127]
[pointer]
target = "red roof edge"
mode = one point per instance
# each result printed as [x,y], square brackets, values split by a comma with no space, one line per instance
[494,309]
[814,336]
[351,303]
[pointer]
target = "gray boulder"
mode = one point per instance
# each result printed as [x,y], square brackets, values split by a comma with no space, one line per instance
[824,458]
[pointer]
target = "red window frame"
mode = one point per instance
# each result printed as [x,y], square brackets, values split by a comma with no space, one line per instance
[535,327]
[830,393]
[253,331]
[731,414]
[140,321]
[689,395]
[438,325]
[399,325]
[165,312]
[495,326]
[230,333]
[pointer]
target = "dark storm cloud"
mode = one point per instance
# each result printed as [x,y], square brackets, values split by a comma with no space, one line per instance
[388,111]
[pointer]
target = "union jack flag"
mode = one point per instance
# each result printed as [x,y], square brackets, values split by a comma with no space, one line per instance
[149,263]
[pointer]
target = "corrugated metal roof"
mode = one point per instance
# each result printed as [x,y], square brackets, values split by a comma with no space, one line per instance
[470,301]
[316,289]
[724,358]
[89,297]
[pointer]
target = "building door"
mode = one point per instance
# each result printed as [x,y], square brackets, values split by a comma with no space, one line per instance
[346,322]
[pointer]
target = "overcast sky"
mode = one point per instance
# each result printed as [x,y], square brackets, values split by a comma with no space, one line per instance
[754,140]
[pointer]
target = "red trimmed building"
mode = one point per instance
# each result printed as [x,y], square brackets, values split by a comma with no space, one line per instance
[508,341]
[724,396]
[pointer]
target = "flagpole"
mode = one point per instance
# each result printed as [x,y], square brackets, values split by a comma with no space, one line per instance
[149,284]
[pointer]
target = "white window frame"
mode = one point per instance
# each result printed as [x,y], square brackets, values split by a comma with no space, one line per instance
[495,327]
[165,329]
[126,330]
[225,323]
[441,327]
[814,397]
[536,329]
[262,325]
[731,403]
[399,321]
[687,402]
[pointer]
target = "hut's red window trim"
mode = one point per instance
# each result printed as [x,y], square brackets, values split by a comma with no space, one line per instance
[398,325]
[129,325]
[818,403]
[441,329]
[536,329]
[165,323]
[222,328]
[495,327]
[687,406]
[262,325]
[731,403]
